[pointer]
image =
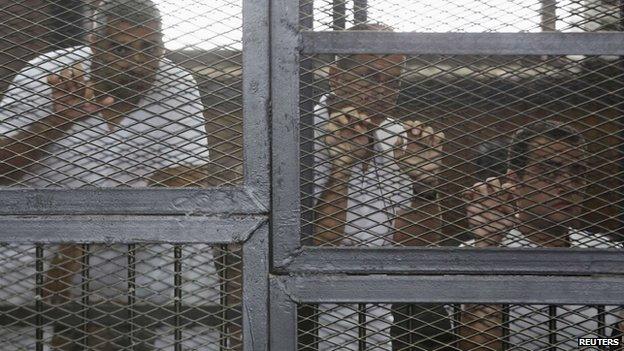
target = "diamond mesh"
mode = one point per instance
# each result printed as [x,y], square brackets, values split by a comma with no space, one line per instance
[180,125]
[364,182]
[454,326]
[109,297]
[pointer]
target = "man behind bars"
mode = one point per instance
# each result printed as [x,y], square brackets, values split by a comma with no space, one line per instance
[536,204]
[374,180]
[112,113]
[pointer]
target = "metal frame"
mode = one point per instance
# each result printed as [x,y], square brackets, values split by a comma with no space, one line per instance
[211,216]
[290,256]
[288,292]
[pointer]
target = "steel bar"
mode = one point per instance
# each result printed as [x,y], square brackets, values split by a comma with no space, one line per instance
[256,100]
[177,297]
[552,328]
[256,290]
[223,297]
[283,318]
[108,313]
[547,43]
[360,11]
[447,260]
[84,295]
[505,327]
[131,292]
[339,14]
[158,201]
[39,297]
[126,229]
[452,289]
[286,212]
[361,310]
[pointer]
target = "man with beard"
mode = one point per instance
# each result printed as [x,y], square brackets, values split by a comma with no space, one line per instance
[375,178]
[536,204]
[113,113]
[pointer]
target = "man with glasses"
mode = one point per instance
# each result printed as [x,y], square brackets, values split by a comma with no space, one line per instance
[536,204]
[112,113]
[375,178]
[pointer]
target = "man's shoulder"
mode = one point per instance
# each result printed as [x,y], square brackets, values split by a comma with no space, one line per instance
[174,75]
[585,239]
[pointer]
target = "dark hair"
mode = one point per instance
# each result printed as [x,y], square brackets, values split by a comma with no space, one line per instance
[345,62]
[136,12]
[491,160]
[555,130]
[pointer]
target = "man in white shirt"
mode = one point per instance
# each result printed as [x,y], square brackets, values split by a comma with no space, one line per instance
[375,179]
[114,113]
[536,204]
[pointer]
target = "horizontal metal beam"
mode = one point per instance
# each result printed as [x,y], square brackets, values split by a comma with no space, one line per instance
[370,42]
[127,229]
[129,201]
[114,314]
[453,289]
[447,260]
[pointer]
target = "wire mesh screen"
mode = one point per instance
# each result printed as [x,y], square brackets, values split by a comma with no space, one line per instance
[121,93]
[467,15]
[458,327]
[461,150]
[114,297]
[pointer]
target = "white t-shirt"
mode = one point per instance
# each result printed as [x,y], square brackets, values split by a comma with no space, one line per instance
[374,194]
[374,197]
[167,129]
[529,324]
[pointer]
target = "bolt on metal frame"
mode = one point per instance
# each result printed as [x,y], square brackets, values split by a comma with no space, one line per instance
[158,215]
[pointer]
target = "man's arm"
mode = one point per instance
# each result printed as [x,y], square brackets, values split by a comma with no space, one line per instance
[490,214]
[418,152]
[345,136]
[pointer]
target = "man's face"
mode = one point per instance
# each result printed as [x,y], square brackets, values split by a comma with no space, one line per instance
[127,59]
[551,188]
[368,82]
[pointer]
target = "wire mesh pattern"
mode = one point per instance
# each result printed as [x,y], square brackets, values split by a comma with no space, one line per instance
[455,326]
[129,94]
[467,16]
[414,150]
[113,297]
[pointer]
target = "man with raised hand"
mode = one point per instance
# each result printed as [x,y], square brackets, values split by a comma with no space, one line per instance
[536,204]
[113,113]
[375,179]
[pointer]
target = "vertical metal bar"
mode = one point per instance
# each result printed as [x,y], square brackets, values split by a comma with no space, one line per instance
[410,323]
[223,300]
[548,16]
[339,14]
[38,295]
[601,319]
[256,98]
[621,125]
[360,11]
[306,13]
[177,293]
[283,318]
[256,290]
[552,327]
[361,327]
[131,292]
[84,295]
[506,323]
[456,323]
[286,205]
